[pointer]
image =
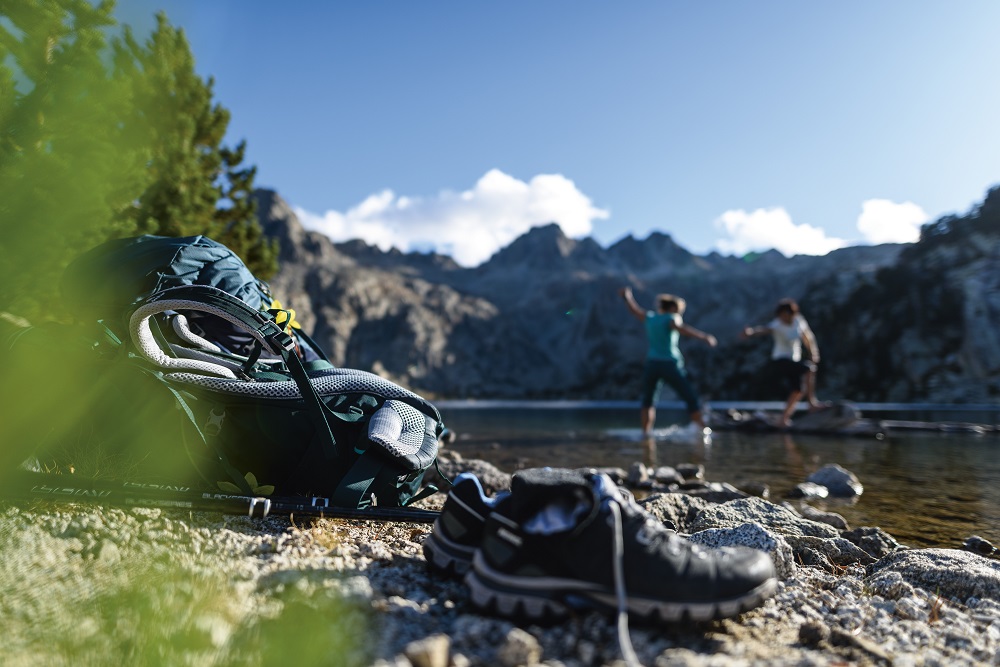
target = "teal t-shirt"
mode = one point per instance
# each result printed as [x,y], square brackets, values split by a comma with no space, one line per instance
[662,337]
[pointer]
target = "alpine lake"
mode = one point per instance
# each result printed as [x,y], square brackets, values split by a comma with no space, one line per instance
[925,488]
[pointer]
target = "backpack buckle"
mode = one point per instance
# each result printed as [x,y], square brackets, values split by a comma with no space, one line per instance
[278,339]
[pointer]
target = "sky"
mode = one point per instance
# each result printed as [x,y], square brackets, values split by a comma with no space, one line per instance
[733,126]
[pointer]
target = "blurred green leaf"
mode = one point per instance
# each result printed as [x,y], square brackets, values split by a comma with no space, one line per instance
[102,136]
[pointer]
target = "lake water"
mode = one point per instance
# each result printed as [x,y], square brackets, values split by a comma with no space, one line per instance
[926,489]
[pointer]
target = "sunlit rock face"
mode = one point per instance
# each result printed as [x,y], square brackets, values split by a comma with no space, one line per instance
[542,318]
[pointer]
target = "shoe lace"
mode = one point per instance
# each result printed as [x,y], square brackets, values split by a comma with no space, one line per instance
[624,639]
[651,532]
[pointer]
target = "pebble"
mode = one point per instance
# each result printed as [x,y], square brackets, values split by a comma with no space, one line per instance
[197,583]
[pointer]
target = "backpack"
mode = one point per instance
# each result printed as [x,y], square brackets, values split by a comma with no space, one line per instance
[199,364]
[105,281]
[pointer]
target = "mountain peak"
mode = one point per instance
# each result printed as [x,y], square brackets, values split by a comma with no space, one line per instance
[657,250]
[546,247]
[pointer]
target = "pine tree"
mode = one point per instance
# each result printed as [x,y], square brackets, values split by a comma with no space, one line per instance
[198,185]
[101,137]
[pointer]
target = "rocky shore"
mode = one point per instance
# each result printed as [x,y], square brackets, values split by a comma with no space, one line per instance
[86,584]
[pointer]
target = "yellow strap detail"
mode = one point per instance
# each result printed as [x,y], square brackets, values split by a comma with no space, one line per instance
[285,317]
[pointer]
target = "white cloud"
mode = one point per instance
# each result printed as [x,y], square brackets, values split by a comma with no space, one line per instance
[884,221]
[470,225]
[764,229]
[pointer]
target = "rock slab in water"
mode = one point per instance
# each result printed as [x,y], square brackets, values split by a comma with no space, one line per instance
[841,483]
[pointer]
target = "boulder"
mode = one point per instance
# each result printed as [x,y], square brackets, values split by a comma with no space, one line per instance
[948,573]
[751,535]
[676,509]
[780,520]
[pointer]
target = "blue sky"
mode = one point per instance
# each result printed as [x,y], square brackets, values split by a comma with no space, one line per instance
[732,126]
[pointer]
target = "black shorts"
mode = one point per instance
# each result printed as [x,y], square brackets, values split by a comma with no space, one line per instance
[786,375]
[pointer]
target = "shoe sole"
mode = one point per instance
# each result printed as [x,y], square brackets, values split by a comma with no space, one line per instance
[546,599]
[447,556]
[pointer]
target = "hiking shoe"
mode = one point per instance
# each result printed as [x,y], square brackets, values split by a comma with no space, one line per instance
[556,545]
[458,530]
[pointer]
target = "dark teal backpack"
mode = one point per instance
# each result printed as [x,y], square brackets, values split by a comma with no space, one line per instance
[192,353]
[105,281]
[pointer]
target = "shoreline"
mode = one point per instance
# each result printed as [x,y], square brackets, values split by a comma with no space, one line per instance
[225,590]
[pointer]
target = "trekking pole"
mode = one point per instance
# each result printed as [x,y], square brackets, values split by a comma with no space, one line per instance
[40,486]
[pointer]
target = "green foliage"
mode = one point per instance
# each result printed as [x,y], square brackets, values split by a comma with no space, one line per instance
[198,186]
[99,586]
[101,137]
[65,166]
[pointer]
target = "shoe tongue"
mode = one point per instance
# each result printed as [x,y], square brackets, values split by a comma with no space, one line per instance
[606,489]
[533,489]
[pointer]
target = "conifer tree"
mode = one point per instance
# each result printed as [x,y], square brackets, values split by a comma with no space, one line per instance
[198,185]
[101,137]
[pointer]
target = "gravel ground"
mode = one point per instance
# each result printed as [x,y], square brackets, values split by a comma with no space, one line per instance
[85,584]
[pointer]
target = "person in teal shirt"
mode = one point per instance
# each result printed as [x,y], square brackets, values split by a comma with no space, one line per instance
[664,361]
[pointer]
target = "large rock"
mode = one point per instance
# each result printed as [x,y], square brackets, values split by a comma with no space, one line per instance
[678,510]
[754,536]
[875,541]
[775,518]
[948,573]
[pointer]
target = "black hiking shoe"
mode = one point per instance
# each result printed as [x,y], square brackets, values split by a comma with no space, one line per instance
[556,545]
[458,530]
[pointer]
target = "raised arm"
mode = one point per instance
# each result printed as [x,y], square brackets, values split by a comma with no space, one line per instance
[750,332]
[633,307]
[688,330]
[809,342]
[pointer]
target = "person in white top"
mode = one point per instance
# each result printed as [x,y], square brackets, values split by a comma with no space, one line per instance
[791,333]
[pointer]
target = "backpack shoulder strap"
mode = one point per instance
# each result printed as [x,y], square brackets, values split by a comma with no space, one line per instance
[260,325]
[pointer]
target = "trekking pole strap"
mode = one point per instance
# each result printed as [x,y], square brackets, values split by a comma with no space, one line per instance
[68,488]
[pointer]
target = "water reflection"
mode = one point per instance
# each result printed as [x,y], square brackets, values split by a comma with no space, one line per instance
[699,451]
[649,452]
[795,464]
[926,489]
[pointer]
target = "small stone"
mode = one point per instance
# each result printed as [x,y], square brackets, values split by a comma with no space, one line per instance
[691,471]
[638,476]
[109,552]
[809,490]
[519,649]
[829,518]
[759,489]
[811,633]
[429,652]
[667,475]
[841,483]
[978,545]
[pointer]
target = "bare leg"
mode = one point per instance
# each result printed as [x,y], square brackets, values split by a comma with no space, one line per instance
[697,418]
[793,399]
[649,451]
[811,391]
[647,417]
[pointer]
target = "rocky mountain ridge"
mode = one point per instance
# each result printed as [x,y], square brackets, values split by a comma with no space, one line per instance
[542,318]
